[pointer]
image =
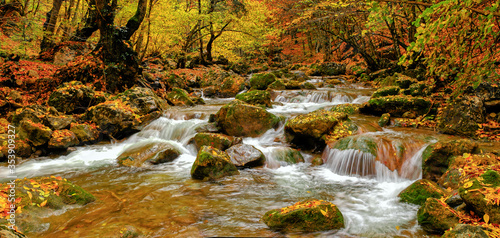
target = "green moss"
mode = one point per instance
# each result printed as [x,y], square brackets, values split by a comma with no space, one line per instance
[419,191]
[261,81]
[212,163]
[256,97]
[386,91]
[492,178]
[358,142]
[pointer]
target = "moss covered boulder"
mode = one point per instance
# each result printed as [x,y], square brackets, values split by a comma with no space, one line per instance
[216,140]
[62,139]
[482,196]
[462,116]
[74,97]
[465,231]
[256,97]
[347,108]
[212,163]
[262,81]
[309,216]
[148,152]
[115,118]
[36,133]
[59,122]
[246,156]
[437,157]
[86,134]
[397,105]
[179,97]
[142,100]
[220,83]
[310,131]
[241,119]
[386,91]
[23,148]
[34,113]
[277,85]
[35,195]
[436,216]
[419,191]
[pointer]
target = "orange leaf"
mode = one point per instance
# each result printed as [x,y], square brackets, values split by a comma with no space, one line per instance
[43,203]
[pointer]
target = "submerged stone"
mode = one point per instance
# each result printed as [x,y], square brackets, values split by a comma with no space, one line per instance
[212,163]
[311,215]
[148,152]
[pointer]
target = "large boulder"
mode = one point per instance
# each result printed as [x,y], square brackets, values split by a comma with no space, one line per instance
[74,97]
[386,91]
[179,97]
[212,163]
[216,140]
[311,131]
[397,105]
[148,152]
[262,81]
[219,83]
[312,215]
[114,118]
[437,157]
[346,108]
[34,113]
[62,139]
[143,100]
[86,134]
[241,119]
[481,195]
[436,216]
[462,116]
[256,97]
[419,191]
[36,133]
[245,156]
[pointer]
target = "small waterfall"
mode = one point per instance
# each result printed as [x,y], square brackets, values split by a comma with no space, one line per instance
[412,168]
[312,97]
[169,129]
[350,162]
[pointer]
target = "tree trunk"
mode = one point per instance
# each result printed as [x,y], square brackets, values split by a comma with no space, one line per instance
[49,26]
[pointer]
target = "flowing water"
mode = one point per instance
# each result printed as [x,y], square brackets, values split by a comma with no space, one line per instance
[163,200]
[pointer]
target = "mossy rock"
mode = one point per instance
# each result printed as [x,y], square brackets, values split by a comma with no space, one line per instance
[115,118]
[34,113]
[179,97]
[362,143]
[347,108]
[142,100]
[277,85]
[310,131]
[465,231]
[246,156]
[436,216]
[418,89]
[418,192]
[288,155]
[142,153]
[74,97]
[262,81]
[62,139]
[404,81]
[327,69]
[23,148]
[216,140]
[386,91]
[309,216]
[59,122]
[47,192]
[241,119]
[480,194]
[256,97]
[384,120]
[396,105]
[85,133]
[222,84]
[212,163]
[36,133]
[462,116]
[437,157]
[307,85]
